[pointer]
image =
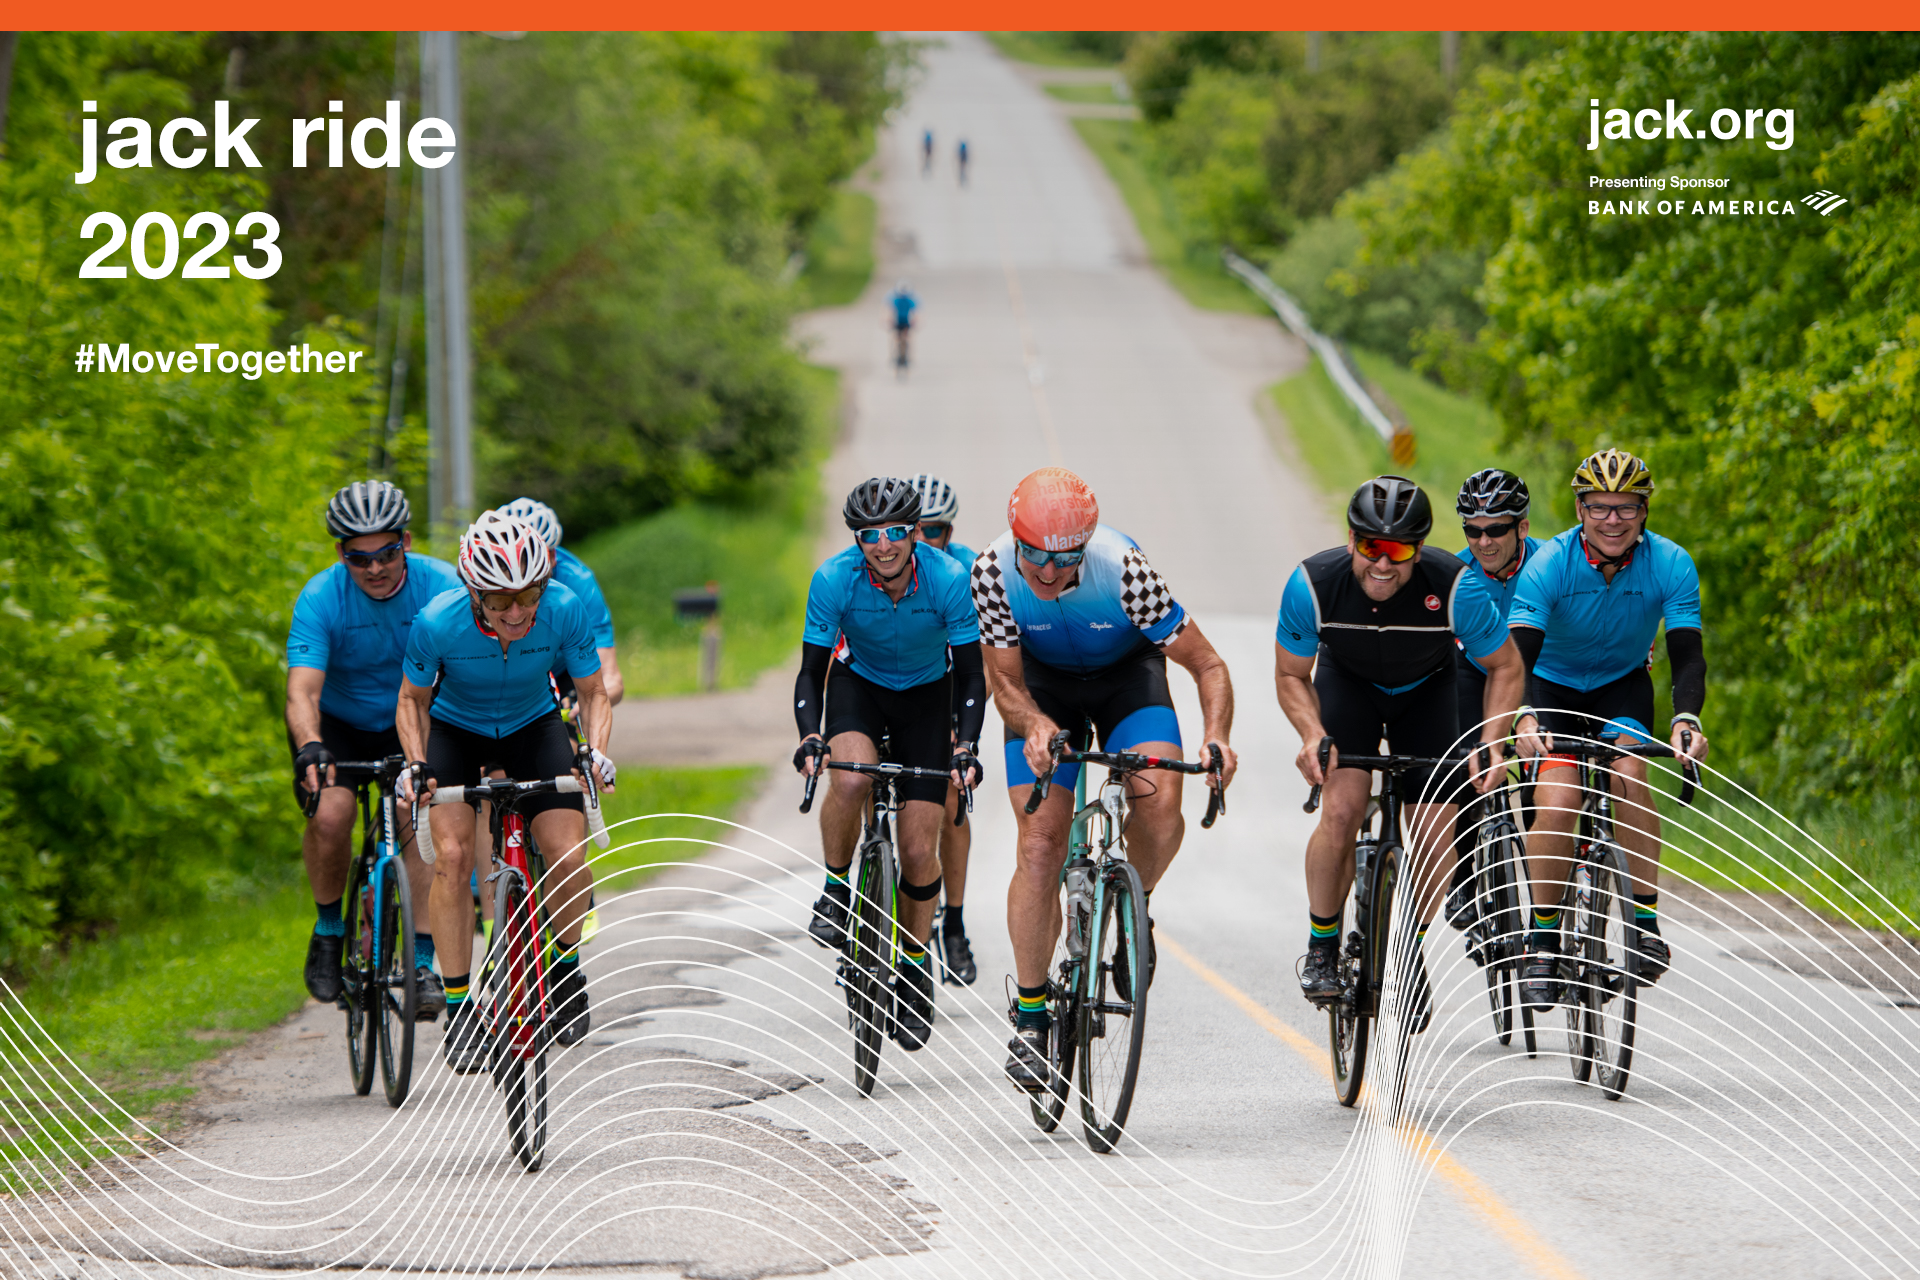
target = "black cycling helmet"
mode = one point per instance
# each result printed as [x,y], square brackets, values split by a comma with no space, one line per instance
[1493,492]
[1390,507]
[367,506]
[881,500]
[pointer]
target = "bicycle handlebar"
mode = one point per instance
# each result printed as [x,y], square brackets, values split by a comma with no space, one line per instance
[1384,764]
[1605,751]
[501,790]
[886,770]
[1134,762]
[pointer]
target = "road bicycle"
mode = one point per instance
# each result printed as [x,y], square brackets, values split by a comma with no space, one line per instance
[1097,995]
[870,950]
[1496,923]
[1363,958]
[516,996]
[377,984]
[1600,953]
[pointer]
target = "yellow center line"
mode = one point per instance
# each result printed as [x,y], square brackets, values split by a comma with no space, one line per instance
[1525,1242]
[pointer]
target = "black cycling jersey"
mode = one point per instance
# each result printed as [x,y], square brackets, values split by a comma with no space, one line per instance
[1394,643]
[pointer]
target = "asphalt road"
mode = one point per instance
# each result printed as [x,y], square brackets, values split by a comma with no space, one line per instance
[708,1128]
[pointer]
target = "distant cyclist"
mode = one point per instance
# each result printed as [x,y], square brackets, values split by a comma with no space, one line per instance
[1365,650]
[1077,627]
[926,152]
[892,649]
[963,162]
[938,507]
[903,303]
[572,572]
[1588,607]
[350,627]
[1493,505]
[474,697]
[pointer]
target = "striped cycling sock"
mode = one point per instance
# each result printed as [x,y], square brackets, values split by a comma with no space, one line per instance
[456,985]
[837,880]
[912,952]
[1324,931]
[1646,911]
[329,924]
[1546,926]
[1032,1007]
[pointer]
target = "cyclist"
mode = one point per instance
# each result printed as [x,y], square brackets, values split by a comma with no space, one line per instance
[1078,626]
[903,303]
[1585,616]
[938,506]
[882,618]
[1493,506]
[926,152]
[1365,649]
[349,630]
[572,572]
[963,162]
[474,697]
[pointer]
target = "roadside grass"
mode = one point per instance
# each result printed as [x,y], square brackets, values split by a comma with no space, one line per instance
[1200,278]
[114,1028]
[1046,49]
[759,550]
[839,251]
[1101,94]
[1453,436]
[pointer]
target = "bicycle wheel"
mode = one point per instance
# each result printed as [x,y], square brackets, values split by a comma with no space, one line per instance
[1113,1006]
[1349,1019]
[1526,1025]
[359,978]
[865,972]
[1613,996]
[1048,1107]
[1574,944]
[393,993]
[519,1022]
[1499,923]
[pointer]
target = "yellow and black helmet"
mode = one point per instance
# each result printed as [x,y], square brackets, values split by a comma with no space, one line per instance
[1612,471]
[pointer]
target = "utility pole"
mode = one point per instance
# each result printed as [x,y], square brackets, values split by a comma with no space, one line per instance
[1449,54]
[449,355]
[1313,52]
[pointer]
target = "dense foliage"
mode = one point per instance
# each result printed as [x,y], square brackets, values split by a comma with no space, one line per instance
[1765,364]
[155,529]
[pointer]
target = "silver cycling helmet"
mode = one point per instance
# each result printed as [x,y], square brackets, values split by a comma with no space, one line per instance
[500,553]
[1493,492]
[539,515]
[367,506]
[937,500]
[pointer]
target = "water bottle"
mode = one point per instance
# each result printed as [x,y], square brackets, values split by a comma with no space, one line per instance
[1079,908]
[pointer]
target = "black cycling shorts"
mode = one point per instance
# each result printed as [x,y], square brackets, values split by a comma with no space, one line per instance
[347,742]
[917,724]
[1128,702]
[1625,705]
[458,757]
[1421,721]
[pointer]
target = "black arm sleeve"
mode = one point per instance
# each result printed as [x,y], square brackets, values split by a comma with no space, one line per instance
[1529,641]
[1688,657]
[809,690]
[969,692]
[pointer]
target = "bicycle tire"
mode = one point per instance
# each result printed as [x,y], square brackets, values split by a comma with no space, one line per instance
[395,994]
[1050,1106]
[1579,1037]
[870,955]
[1526,1025]
[1348,1024]
[1499,923]
[1614,996]
[519,1022]
[1112,1031]
[357,979]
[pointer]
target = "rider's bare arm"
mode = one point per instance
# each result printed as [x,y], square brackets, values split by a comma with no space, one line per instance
[596,709]
[411,716]
[1017,707]
[303,712]
[610,672]
[1293,682]
[1196,653]
[1506,687]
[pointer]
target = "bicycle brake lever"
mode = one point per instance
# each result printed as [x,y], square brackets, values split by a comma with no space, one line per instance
[1217,791]
[806,803]
[1689,769]
[1313,797]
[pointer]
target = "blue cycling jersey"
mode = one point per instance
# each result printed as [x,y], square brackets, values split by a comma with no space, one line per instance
[1117,608]
[358,641]
[964,554]
[572,570]
[486,689]
[894,645]
[1501,591]
[903,305]
[1596,631]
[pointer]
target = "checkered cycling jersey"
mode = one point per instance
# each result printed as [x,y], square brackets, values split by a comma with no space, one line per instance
[1117,608]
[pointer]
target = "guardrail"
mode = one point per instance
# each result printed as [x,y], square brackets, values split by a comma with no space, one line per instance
[1397,436]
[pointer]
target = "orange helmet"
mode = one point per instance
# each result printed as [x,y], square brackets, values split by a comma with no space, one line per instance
[1053,509]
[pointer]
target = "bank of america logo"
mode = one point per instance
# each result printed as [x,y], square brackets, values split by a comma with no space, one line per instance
[1825,201]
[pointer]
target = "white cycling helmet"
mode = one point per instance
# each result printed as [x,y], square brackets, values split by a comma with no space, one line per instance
[500,553]
[937,500]
[538,514]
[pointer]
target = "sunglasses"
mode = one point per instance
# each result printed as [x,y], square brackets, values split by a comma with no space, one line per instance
[1396,552]
[1604,511]
[934,530]
[892,533]
[501,601]
[1041,559]
[367,559]
[1475,532]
